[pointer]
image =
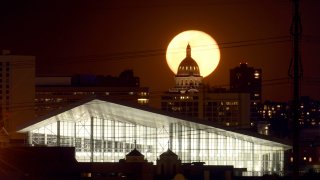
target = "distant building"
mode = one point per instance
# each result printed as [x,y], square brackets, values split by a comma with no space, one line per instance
[17,79]
[224,108]
[188,77]
[309,112]
[191,98]
[56,92]
[309,153]
[277,116]
[273,118]
[245,79]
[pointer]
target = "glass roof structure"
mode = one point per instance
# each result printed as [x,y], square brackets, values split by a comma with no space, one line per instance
[105,131]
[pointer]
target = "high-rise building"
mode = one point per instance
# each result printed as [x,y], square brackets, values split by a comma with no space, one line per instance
[56,92]
[191,98]
[245,79]
[17,76]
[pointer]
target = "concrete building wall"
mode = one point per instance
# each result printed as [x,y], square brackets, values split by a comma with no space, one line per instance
[17,91]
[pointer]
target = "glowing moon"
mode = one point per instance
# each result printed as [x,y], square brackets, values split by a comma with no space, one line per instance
[204,50]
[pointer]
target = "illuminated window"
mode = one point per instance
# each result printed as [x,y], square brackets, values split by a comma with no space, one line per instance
[143,101]
[256,75]
[86,175]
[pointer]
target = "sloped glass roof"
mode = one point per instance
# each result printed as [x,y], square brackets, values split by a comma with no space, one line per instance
[141,116]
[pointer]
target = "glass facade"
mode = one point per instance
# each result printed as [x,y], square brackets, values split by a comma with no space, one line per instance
[102,131]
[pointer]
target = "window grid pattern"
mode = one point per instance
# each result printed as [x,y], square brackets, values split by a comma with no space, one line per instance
[109,140]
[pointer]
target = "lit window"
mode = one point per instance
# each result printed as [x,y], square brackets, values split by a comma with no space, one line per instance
[86,175]
[256,75]
[143,101]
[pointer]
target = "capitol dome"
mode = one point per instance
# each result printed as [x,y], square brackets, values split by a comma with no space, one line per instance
[188,66]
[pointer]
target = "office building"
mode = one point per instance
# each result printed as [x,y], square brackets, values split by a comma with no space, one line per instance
[53,93]
[245,79]
[221,107]
[17,79]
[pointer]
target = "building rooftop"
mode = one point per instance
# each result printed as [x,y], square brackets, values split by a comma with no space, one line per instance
[146,116]
[134,152]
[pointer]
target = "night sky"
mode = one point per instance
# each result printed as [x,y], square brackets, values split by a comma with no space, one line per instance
[107,37]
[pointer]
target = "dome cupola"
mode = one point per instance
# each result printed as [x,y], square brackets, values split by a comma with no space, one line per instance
[188,66]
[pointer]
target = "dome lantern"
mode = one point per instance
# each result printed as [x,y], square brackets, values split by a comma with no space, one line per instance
[188,66]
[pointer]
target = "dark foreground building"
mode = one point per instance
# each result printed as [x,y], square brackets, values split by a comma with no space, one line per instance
[38,163]
[59,163]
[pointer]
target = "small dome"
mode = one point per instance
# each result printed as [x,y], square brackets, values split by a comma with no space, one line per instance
[168,153]
[134,152]
[188,66]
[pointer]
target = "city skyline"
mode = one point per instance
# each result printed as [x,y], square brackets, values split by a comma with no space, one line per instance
[108,37]
[258,111]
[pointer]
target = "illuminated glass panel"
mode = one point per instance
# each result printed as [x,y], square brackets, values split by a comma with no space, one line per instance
[107,134]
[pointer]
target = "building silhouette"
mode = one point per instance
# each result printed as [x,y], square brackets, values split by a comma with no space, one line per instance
[188,77]
[17,92]
[245,79]
[191,98]
[53,93]
[60,163]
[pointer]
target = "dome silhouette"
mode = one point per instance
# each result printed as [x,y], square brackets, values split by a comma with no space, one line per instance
[169,153]
[188,66]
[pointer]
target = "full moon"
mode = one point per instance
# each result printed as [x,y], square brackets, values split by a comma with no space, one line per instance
[204,50]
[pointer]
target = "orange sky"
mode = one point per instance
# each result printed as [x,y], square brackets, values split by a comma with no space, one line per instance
[107,37]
